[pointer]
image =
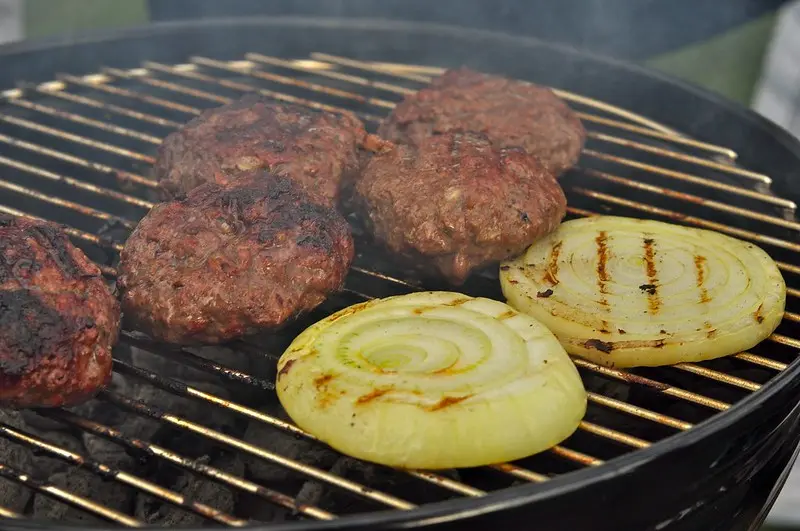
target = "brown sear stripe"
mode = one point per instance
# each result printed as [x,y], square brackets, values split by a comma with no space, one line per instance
[700,272]
[757,314]
[448,401]
[322,380]
[373,395]
[651,288]
[551,273]
[602,266]
[598,344]
[602,260]
[286,368]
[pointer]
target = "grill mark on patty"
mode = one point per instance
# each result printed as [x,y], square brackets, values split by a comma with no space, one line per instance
[56,244]
[700,275]
[602,264]
[18,255]
[30,330]
[651,288]
[285,210]
[551,273]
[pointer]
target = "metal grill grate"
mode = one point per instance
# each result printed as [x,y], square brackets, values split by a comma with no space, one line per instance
[77,151]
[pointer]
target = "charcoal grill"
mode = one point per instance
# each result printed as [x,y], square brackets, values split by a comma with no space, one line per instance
[694,446]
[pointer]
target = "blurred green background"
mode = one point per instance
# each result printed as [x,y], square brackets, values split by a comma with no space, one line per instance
[729,63]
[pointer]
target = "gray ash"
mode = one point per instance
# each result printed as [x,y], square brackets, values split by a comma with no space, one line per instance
[126,457]
[173,368]
[385,479]
[12,495]
[156,512]
[288,445]
[88,485]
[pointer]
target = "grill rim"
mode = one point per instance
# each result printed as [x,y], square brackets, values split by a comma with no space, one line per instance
[520,495]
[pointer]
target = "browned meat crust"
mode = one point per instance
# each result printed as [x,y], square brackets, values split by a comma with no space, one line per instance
[315,149]
[457,203]
[233,260]
[58,319]
[511,113]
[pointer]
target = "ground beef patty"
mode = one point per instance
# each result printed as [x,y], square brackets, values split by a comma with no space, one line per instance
[232,260]
[458,203]
[58,318]
[511,113]
[316,149]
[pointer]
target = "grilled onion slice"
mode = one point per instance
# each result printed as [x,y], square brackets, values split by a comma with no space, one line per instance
[625,292]
[431,380]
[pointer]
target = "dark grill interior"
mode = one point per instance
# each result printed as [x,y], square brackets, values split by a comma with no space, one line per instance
[194,435]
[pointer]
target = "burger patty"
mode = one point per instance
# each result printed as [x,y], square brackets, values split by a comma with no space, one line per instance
[456,202]
[58,319]
[511,113]
[232,260]
[315,149]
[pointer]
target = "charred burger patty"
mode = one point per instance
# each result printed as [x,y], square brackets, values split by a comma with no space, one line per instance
[58,319]
[511,113]
[232,260]
[457,203]
[317,150]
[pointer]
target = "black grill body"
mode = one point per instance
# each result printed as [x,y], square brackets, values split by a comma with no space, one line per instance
[720,475]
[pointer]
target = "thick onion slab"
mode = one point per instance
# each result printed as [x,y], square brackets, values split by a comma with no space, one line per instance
[432,380]
[624,292]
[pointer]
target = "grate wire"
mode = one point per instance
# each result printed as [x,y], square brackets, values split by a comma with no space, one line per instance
[118,157]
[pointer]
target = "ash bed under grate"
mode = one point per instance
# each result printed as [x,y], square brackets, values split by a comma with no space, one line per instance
[193,435]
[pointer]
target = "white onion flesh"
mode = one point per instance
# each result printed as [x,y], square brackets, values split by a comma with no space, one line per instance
[432,380]
[625,292]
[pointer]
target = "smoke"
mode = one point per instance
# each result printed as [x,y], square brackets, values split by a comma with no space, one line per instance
[626,29]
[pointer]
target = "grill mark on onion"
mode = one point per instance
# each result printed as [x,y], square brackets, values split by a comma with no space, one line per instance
[323,380]
[326,396]
[699,265]
[374,395]
[286,368]
[348,311]
[602,263]
[597,344]
[551,272]
[759,318]
[448,401]
[651,288]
